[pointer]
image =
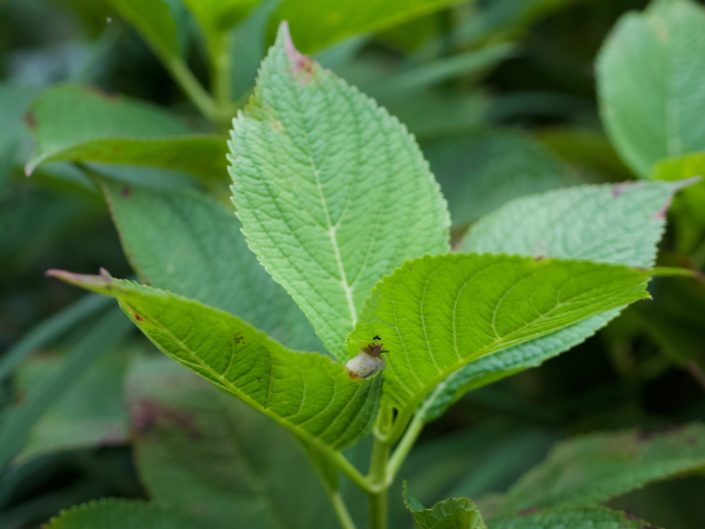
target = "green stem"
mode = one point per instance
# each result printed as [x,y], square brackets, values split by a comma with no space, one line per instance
[405,446]
[220,66]
[378,476]
[341,510]
[193,89]
[347,468]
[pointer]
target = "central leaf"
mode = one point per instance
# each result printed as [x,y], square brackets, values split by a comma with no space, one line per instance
[333,193]
[437,314]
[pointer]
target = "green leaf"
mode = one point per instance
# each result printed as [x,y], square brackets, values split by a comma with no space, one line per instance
[437,314]
[80,125]
[596,468]
[318,24]
[73,421]
[171,238]
[305,392]
[155,22]
[592,518]
[453,513]
[618,224]
[663,49]
[240,470]
[332,192]
[120,514]
[483,170]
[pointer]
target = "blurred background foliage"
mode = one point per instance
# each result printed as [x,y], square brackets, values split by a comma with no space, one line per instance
[501,96]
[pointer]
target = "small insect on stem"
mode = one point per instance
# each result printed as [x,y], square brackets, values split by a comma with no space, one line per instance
[368,361]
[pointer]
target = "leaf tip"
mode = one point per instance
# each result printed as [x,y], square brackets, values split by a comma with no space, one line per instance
[299,62]
[91,282]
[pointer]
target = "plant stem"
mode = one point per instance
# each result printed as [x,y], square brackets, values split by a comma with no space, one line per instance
[341,510]
[378,476]
[193,89]
[405,446]
[347,468]
[220,66]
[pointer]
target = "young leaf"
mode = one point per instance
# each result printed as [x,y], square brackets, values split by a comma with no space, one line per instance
[453,513]
[258,478]
[332,192]
[216,17]
[663,49]
[171,238]
[437,314]
[595,468]
[618,224]
[305,392]
[76,124]
[592,518]
[120,514]
[346,18]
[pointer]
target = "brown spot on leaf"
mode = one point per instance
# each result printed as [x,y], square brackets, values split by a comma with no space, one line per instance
[539,258]
[661,213]
[30,119]
[301,64]
[619,189]
[238,339]
[126,191]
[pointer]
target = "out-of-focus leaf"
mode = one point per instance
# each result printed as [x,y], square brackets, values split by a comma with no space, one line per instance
[316,24]
[619,224]
[15,429]
[155,22]
[453,513]
[307,393]
[76,124]
[48,331]
[438,314]
[216,17]
[308,155]
[592,518]
[120,514]
[483,170]
[423,76]
[239,469]
[90,413]
[190,244]
[594,468]
[647,73]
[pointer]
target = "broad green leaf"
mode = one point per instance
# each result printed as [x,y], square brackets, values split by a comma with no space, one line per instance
[213,458]
[618,224]
[90,413]
[190,244]
[437,314]
[305,392]
[155,22]
[663,49]
[318,24]
[332,192]
[76,124]
[120,514]
[595,468]
[482,170]
[587,518]
[453,513]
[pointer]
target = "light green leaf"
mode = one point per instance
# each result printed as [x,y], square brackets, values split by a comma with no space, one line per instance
[592,518]
[305,392]
[171,238]
[155,22]
[595,468]
[332,192]
[239,469]
[453,513]
[120,514]
[663,49]
[482,170]
[437,314]
[618,224]
[76,124]
[74,421]
[318,24]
